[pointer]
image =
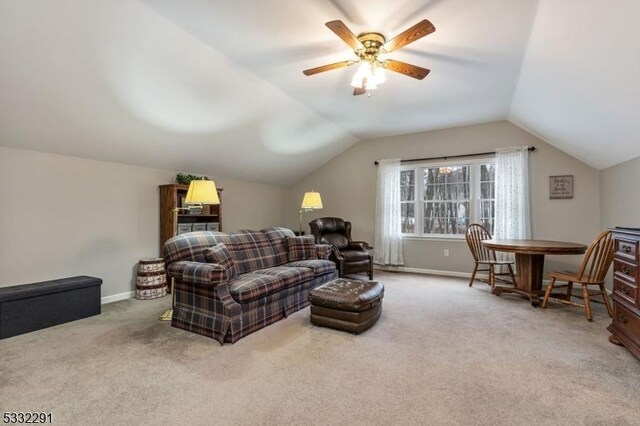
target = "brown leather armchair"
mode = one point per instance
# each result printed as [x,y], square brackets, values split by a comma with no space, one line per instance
[349,256]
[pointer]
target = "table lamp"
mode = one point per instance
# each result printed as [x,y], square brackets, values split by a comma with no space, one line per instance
[200,192]
[311,201]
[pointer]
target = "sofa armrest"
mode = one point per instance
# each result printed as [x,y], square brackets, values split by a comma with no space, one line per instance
[359,245]
[198,273]
[323,250]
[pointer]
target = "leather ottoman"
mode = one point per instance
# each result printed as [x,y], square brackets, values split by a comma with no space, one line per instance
[345,304]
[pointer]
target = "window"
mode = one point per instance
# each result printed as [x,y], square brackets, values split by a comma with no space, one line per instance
[442,200]
[487,196]
[407,201]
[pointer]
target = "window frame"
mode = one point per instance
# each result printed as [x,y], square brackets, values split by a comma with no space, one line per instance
[419,201]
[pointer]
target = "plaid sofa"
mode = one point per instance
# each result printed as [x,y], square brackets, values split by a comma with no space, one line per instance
[267,288]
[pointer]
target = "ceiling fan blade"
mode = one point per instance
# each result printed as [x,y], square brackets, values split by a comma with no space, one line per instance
[359,91]
[406,69]
[414,33]
[329,67]
[345,34]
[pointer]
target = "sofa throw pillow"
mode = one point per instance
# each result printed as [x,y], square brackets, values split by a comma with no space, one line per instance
[219,254]
[301,248]
[323,251]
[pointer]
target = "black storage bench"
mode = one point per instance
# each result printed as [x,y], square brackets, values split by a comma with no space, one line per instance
[30,307]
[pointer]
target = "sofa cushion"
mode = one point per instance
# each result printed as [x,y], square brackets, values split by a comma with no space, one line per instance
[278,236]
[301,248]
[290,275]
[354,255]
[318,266]
[251,250]
[219,255]
[248,287]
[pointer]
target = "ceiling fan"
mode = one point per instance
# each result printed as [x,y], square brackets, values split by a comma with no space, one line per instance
[368,47]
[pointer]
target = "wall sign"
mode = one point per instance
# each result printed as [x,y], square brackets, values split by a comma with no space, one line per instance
[560,187]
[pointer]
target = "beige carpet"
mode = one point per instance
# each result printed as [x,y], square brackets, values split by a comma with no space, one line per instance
[442,353]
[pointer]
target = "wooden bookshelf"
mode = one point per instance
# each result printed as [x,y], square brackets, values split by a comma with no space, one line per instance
[172,196]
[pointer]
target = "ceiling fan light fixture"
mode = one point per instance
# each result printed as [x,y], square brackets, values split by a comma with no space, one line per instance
[363,73]
[368,76]
[370,85]
[371,49]
[379,76]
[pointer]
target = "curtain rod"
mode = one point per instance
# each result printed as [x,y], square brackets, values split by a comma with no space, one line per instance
[448,157]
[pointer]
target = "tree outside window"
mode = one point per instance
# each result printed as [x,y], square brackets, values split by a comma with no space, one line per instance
[407,201]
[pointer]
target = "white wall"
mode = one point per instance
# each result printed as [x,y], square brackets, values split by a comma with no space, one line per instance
[347,185]
[62,216]
[620,201]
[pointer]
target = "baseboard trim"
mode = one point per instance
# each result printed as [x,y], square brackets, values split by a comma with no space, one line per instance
[117,297]
[428,271]
[443,273]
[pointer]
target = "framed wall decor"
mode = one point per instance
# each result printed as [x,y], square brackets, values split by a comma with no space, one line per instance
[560,187]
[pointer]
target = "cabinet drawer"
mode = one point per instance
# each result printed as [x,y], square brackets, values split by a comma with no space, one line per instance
[625,270]
[626,248]
[625,290]
[628,322]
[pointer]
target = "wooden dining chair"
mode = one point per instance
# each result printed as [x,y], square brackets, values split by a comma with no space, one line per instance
[482,256]
[593,272]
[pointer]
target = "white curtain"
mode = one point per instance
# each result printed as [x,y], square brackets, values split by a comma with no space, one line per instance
[388,231]
[512,193]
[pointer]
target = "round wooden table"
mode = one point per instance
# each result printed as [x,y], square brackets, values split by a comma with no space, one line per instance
[530,262]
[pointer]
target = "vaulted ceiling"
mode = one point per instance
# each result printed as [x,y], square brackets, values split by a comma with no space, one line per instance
[579,87]
[216,86]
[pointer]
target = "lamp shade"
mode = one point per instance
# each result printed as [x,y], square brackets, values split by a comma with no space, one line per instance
[202,192]
[311,201]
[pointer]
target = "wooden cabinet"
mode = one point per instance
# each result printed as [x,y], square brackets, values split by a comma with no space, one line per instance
[625,328]
[171,197]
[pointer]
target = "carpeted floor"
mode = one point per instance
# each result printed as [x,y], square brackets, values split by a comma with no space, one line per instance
[442,353]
